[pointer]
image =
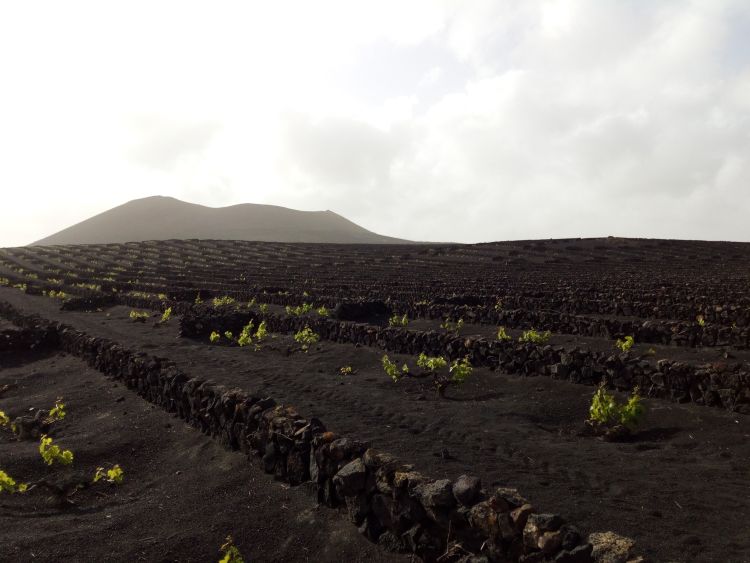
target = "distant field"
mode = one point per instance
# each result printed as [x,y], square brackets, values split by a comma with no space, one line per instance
[677,485]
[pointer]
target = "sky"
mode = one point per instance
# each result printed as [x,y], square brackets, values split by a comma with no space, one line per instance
[426,120]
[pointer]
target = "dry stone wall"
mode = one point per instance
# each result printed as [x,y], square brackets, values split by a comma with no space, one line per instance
[25,339]
[724,384]
[391,503]
[651,331]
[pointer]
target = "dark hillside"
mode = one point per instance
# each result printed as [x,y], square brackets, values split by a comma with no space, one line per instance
[164,218]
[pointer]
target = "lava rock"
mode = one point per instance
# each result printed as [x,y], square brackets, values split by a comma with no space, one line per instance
[436,494]
[537,526]
[609,547]
[506,499]
[580,554]
[350,480]
[466,489]
[269,458]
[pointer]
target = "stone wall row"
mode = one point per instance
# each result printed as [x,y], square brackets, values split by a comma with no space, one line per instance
[716,331]
[674,333]
[391,503]
[713,333]
[26,339]
[724,384]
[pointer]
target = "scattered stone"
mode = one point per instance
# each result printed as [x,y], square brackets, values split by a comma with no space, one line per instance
[407,479]
[374,459]
[466,489]
[536,527]
[30,427]
[580,554]
[549,542]
[437,494]
[520,515]
[609,547]
[390,542]
[506,499]
[483,518]
[350,479]
[571,536]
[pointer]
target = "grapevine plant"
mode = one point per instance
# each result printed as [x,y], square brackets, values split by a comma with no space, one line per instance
[246,336]
[502,335]
[610,418]
[391,369]
[114,475]
[433,366]
[454,327]
[57,412]
[138,316]
[166,315]
[230,552]
[625,344]
[299,310]
[535,337]
[395,321]
[9,485]
[306,337]
[53,454]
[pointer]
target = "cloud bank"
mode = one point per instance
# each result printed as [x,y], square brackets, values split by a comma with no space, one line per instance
[422,120]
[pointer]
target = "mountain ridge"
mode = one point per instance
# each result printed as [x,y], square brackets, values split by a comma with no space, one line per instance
[164,218]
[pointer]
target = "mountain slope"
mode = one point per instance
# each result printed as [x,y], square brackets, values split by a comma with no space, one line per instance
[163,218]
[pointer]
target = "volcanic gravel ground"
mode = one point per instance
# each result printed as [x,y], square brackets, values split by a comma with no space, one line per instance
[182,494]
[681,488]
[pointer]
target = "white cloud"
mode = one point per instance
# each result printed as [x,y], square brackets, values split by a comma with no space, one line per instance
[434,121]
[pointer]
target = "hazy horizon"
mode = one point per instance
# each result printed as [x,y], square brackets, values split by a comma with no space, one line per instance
[430,121]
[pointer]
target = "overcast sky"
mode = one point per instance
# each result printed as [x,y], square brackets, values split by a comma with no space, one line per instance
[463,121]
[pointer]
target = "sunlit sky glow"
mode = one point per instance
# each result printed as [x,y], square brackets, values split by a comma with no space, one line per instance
[462,121]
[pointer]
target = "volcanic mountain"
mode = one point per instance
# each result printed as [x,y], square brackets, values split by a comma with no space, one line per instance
[164,218]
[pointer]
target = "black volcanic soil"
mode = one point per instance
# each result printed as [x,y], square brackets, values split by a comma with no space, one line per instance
[182,494]
[681,488]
